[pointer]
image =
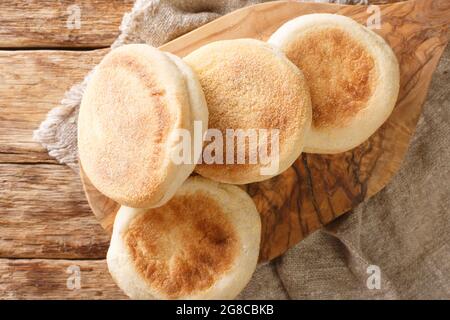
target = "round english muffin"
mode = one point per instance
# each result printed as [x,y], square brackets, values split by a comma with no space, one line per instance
[258,102]
[202,244]
[132,112]
[352,73]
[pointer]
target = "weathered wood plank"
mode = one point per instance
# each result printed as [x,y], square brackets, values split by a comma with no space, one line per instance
[56,279]
[50,24]
[44,214]
[31,84]
[43,211]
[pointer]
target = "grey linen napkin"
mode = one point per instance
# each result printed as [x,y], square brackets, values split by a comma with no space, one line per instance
[395,245]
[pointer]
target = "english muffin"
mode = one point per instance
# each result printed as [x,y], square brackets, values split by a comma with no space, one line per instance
[202,244]
[251,87]
[352,73]
[132,111]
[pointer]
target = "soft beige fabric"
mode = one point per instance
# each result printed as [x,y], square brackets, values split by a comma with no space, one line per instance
[404,230]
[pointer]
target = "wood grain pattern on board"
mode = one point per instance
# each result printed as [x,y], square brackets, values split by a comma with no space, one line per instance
[319,188]
[51,24]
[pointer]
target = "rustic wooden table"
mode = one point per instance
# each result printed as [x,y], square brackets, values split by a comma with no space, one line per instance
[51,245]
[47,230]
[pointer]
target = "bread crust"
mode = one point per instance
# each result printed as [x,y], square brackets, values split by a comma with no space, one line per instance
[249,84]
[135,103]
[203,244]
[353,75]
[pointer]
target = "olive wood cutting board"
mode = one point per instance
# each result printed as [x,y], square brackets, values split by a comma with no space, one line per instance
[319,188]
